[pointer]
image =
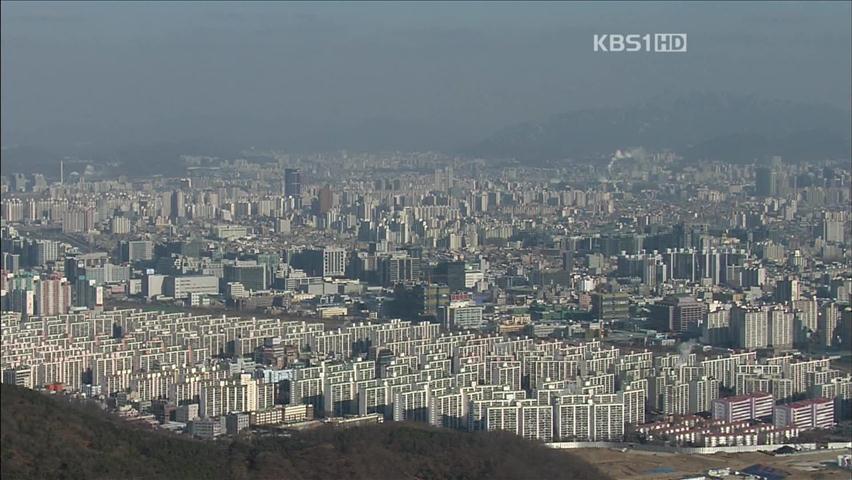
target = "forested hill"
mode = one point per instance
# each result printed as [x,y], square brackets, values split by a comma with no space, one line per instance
[44,438]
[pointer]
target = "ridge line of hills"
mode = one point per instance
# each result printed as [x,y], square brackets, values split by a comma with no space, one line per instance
[699,126]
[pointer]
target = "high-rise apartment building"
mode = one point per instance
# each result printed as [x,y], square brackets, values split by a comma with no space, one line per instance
[702,392]
[787,290]
[743,407]
[806,414]
[52,296]
[240,394]
[780,328]
[827,322]
[750,327]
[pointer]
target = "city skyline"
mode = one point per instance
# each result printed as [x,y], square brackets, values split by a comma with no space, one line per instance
[428,240]
[373,76]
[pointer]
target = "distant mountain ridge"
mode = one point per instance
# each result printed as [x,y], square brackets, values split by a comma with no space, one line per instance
[699,126]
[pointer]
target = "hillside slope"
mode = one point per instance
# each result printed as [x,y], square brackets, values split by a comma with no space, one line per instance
[44,438]
[700,126]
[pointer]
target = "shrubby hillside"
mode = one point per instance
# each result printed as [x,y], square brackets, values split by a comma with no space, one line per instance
[45,438]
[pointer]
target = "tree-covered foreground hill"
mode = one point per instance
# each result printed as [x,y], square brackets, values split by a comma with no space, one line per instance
[46,438]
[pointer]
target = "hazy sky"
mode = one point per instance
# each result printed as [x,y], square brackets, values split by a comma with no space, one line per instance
[316,76]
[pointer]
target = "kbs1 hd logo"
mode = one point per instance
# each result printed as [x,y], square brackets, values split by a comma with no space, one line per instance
[635,42]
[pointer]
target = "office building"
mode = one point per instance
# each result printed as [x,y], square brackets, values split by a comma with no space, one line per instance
[229,232]
[152,285]
[324,202]
[137,250]
[252,276]
[611,306]
[21,376]
[292,182]
[461,316]
[765,182]
[680,313]
[236,422]
[181,286]
[398,268]
[178,205]
[324,262]
[206,428]
[451,274]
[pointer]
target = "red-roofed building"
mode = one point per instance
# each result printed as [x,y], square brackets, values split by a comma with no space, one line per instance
[816,413]
[743,407]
